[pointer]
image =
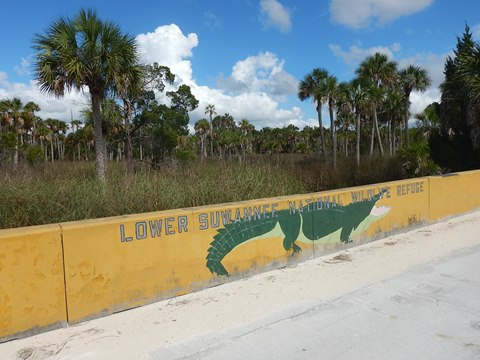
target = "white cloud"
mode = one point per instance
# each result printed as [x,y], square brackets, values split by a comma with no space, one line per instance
[265,81]
[263,72]
[168,46]
[361,13]
[433,63]
[258,107]
[253,90]
[476,32]
[356,54]
[275,14]
[211,21]
[419,101]
[24,68]
[58,108]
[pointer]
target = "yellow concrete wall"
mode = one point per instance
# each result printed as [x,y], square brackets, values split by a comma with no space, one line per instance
[454,194]
[118,263]
[261,251]
[114,264]
[32,288]
[407,202]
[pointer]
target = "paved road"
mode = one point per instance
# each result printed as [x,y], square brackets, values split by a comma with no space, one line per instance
[430,312]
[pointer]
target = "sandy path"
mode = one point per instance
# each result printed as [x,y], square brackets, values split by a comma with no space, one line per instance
[134,334]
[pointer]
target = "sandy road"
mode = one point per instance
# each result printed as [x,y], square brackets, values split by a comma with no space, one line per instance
[139,333]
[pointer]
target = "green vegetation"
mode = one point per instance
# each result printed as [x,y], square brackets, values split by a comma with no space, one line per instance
[155,163]
[65,191]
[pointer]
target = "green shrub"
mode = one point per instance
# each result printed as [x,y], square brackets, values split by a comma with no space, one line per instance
[35,154]
[416,160]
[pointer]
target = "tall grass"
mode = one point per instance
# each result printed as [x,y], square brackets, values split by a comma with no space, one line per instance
[51,193]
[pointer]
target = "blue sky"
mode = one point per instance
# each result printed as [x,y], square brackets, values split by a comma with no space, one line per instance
[247,56]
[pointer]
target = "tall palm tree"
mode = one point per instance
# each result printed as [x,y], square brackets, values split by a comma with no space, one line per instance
[393,112]
[376,97]
[84,51]
[76,125]
[210,111]
[13,110]
[355,96]
[331,92]
[44,134]
[202,128]
[428,120]
[345,116]
[313,87]
[246,129]
[128,86]
[30,119]
[412,78]
[383,73]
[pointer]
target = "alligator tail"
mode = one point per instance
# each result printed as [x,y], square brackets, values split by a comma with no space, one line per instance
[233,235]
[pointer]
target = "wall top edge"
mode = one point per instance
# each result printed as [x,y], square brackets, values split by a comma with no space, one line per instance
[30,230]
[191,210]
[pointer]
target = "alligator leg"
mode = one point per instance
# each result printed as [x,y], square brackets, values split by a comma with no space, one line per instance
[290,226]
[345,234]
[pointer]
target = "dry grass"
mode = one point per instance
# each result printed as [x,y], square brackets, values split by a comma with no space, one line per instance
[51,193]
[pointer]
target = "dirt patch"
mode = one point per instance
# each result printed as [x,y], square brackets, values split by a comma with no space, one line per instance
[339,259]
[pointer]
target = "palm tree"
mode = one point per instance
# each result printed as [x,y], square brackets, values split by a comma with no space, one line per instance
[428,120]
[376,96]
[313,87]
[412,78]
[393,112]
[355,97]
[30,119]
[331,92]
[53,126]
[345,116]
[76,125]
[128,86]
[84,52]
[382,72]
[202,128]
[43,134]
[246,129]
[13,115]
[210,111]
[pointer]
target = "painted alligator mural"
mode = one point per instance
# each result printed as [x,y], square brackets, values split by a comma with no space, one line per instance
[311,224]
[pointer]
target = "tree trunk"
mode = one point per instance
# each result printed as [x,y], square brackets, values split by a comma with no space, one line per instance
[401,135]
[322,137]
[203,138]
[334,136]
[51,149]
[372,138]
[407,133]
[393,138]
[357,147]
[378,131]
[100,148]
[390,147]
[128,138]
[211,137]
[15,154]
